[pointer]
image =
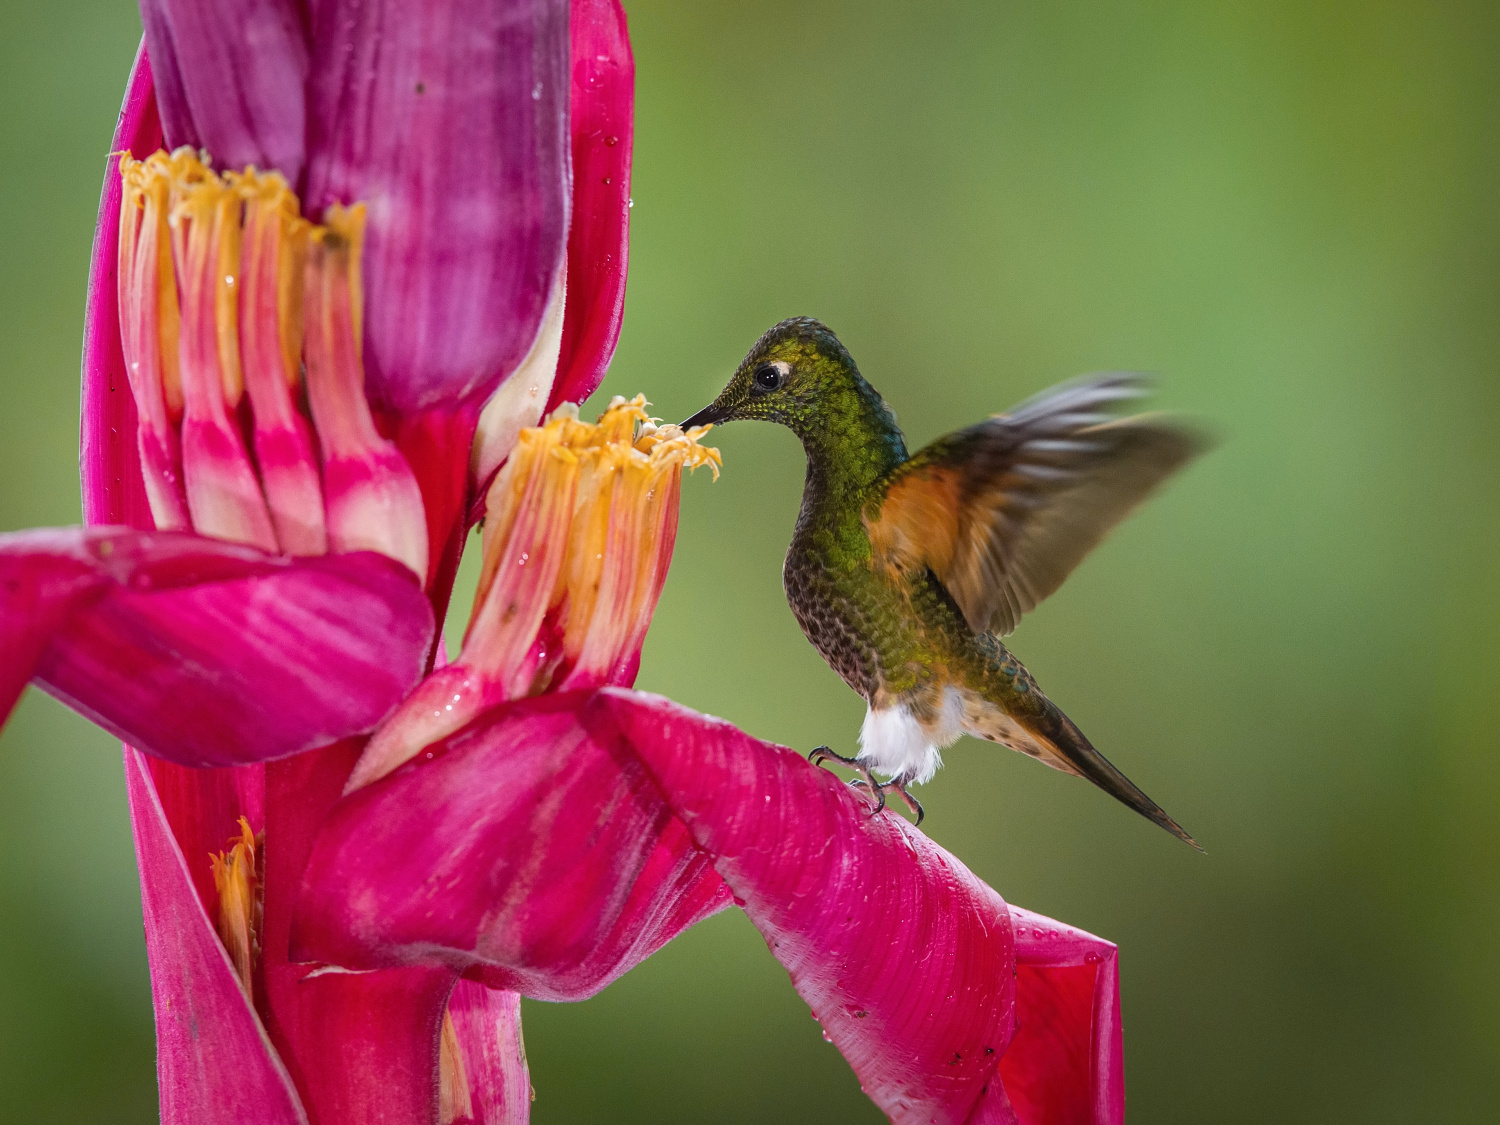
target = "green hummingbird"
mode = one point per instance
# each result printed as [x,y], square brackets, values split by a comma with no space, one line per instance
[905,570]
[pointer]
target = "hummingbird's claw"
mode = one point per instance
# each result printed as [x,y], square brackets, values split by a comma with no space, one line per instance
[911,802]
[876,789]
[868,782]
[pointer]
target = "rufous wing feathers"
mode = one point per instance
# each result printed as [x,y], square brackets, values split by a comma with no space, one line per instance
[1003,511]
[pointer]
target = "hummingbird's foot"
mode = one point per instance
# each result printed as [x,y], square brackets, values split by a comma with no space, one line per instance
[823,754]
[881,787]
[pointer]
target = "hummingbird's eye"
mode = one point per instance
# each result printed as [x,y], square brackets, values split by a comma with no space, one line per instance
[769,376]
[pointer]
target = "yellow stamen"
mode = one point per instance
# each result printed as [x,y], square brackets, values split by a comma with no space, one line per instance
[623,475]
[373,499]
[238,921]
[146,253]
[203,216]
[348,225]
[226,288]
[579,528]
[335,301]
[275,253]
[188,251]
[271,319]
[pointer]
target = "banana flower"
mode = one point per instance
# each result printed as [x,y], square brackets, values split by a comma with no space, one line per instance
[354,263]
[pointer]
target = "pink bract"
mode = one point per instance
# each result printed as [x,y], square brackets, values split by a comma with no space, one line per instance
[526,852]
[533,849]
[255,657]
[244,106]
[603,137]
[450,120]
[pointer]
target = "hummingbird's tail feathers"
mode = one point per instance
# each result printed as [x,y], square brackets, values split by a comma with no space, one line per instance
[1088,762]
[1054,739]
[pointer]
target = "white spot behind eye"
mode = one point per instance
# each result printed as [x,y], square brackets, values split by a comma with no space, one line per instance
[782,366]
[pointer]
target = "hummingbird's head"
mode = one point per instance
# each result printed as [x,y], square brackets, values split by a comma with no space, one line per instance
[792,376]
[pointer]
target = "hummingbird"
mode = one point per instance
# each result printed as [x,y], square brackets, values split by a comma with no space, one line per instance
[906,570]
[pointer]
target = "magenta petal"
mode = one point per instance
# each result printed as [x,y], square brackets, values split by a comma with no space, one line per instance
[904,956]
[215,1065]
[230,76]
[208,653]
[525,851]
[37,594]
[1067,1061]
[450,120]
[487,1023]
[108,462]
[602,118]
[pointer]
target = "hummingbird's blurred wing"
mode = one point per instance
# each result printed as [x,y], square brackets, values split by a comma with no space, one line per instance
[1003,511]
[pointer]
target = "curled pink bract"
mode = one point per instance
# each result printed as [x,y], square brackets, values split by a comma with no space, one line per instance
[558,841]
[207,653]
[525,850]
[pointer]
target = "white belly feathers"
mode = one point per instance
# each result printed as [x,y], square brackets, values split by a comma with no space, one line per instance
[895,743]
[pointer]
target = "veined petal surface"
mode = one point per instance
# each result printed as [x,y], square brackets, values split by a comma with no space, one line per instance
[521,849]
[487,1030]
[557,841]
[208,653]
[230,78]
[903,955]
[38,591]
[450,122]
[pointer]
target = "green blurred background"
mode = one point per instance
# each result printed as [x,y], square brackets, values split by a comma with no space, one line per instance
[1290,212]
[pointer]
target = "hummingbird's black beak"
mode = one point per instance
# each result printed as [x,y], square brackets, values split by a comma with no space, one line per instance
[710,415]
